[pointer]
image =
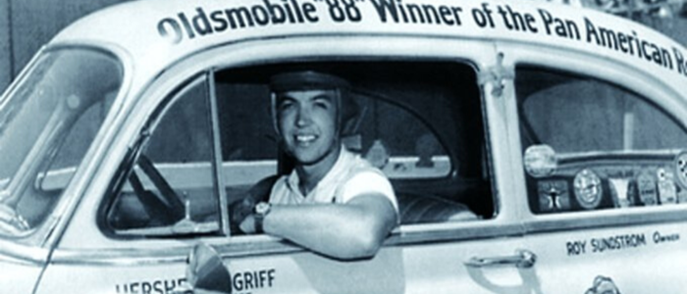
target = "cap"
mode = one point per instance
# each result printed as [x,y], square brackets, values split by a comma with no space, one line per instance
[305,80]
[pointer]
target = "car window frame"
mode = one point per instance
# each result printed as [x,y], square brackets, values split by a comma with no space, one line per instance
[504,223]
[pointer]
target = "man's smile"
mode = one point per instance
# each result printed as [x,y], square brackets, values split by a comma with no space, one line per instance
[305,139]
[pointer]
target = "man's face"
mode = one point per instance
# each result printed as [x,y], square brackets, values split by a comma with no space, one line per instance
[307,121]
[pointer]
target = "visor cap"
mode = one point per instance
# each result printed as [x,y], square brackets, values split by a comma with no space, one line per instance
[305,80]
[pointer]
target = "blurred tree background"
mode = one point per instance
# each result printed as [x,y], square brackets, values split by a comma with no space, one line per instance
[25,25]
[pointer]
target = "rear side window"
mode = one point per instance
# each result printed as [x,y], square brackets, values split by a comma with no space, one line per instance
[588,144]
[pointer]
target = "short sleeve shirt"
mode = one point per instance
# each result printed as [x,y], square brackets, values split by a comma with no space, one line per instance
[349,177]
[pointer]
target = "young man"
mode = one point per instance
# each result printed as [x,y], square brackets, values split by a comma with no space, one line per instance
[334,202]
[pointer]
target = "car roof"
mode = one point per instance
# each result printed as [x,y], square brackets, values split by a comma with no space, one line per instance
[158,33]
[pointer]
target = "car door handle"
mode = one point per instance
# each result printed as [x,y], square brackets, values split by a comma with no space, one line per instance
[521,259]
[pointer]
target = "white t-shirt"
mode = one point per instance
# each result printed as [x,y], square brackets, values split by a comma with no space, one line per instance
[349,177]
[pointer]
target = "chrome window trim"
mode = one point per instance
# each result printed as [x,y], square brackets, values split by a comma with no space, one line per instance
[606,218]
[218,175]
[262,245]
[21,254]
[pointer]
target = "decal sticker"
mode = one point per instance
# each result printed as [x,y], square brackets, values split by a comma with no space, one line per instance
[588,191]
[680,164]
[620,191]
[667,191]
[540,161]
[553,195]
[646,188]
[681,195]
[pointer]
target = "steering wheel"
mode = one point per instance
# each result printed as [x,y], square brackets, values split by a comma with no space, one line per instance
[165,205]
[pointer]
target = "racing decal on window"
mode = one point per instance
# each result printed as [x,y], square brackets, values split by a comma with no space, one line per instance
[540,161]
[208,21]
[619,242]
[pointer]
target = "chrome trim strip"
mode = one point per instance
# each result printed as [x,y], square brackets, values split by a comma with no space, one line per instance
[262,245]
[20,254]
[218,177]
[603,219]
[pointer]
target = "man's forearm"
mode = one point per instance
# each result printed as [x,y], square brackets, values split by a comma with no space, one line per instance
[354,230]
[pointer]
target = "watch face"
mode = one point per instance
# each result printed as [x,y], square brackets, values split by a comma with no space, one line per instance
[262,208]
[588,189]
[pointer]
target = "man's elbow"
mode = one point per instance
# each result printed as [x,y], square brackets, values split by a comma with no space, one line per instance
[368,239]
[363,246]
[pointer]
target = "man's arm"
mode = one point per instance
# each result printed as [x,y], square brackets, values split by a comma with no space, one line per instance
[352,230]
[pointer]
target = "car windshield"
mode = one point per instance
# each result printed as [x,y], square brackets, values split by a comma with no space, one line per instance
[47,122]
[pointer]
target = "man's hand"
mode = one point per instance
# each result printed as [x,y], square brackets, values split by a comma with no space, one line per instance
[240,212]
[248,225]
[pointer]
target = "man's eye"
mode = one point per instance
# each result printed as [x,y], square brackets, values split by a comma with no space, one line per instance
[284,105]
[322,104]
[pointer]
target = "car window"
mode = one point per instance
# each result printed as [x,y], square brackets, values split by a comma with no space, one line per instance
[589,144]
[47,124]
[170,189]
[419,123]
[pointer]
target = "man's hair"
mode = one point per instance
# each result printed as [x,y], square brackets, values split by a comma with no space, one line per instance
[348,109]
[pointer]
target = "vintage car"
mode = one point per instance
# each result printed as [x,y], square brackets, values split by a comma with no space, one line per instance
[533,147]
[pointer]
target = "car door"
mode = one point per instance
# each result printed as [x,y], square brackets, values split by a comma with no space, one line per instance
[204,136]
[602,155]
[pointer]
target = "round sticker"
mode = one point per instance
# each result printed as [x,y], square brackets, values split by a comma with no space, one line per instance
[540,161]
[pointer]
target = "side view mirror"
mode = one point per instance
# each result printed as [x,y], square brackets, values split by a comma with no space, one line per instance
[205,273]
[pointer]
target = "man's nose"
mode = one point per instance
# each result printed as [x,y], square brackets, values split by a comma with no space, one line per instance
[304,116]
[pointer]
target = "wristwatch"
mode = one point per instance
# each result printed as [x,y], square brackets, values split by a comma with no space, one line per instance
[260,211]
